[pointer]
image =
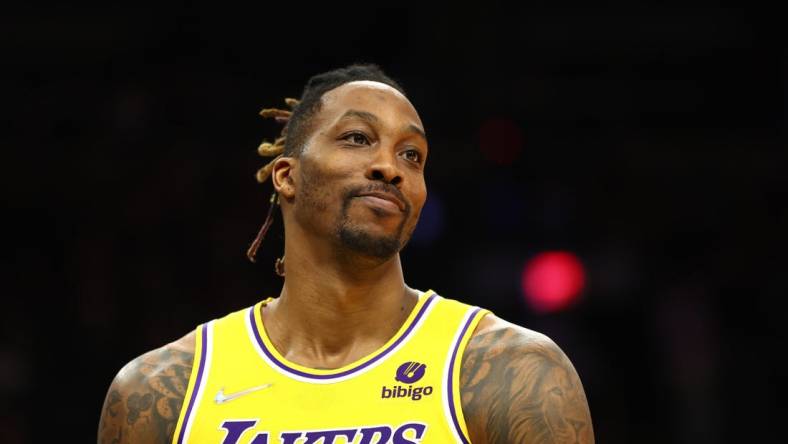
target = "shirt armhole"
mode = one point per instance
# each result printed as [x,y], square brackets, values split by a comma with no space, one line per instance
[189,397]
[467,327]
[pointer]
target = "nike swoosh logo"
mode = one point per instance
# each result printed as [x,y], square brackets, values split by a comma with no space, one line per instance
[221,398]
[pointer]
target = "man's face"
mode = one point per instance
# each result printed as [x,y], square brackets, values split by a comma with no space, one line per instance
[360,178]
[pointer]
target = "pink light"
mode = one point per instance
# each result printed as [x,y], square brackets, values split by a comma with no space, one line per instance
[553,280]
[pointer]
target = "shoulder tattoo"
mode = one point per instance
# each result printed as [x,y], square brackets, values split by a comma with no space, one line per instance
[145,399]
[517,386]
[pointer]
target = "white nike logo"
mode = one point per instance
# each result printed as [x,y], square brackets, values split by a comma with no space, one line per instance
[222,398]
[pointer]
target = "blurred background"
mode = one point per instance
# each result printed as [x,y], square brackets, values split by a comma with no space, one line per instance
[612,176]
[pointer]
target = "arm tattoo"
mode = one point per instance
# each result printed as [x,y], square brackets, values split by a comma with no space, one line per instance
[519,387]
[145,399]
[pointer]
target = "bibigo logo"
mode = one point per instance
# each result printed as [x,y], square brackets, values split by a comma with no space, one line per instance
[408,373]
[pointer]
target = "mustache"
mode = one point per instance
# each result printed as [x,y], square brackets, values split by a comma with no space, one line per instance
[379,186]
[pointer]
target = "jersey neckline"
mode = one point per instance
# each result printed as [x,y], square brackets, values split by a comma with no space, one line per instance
[283,365]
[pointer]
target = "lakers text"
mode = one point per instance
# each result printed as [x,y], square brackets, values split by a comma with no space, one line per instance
[408,433]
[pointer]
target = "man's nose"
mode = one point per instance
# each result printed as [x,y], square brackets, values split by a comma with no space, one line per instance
[384,167]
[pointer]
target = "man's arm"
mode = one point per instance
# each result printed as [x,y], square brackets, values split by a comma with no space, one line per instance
[517,386]
[145,398]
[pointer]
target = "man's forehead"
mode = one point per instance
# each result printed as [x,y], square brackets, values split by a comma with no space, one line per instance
[368,95]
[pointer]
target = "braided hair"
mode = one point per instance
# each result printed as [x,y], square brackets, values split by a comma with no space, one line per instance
[297,128]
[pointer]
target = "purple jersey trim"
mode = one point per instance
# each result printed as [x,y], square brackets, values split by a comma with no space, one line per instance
[449,384]
[355,369]
[197,382]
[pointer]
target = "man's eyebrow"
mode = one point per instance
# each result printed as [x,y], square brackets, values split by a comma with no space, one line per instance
[363,115]
[415,129]
[371,118]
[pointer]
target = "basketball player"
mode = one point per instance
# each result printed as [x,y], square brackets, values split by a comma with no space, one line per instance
[348,353]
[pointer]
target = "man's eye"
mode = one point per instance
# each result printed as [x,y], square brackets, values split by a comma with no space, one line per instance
[356,138]
[413,155]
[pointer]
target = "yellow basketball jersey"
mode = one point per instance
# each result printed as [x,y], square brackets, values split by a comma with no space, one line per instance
[242,391]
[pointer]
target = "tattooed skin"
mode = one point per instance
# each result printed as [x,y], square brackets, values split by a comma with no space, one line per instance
[145,399]
[517,386]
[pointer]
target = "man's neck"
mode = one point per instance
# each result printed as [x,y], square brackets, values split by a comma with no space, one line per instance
[332,312]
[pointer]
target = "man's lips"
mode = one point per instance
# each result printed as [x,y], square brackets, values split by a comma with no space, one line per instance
[385,197]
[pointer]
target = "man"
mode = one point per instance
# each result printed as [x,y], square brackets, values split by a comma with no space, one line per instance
[348,353]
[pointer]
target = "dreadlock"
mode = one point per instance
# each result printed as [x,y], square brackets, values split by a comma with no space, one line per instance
[298,126]
[274,150]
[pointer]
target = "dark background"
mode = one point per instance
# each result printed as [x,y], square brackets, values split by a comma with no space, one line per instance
[652,144]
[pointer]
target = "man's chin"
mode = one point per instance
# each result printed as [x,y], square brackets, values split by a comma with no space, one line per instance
[368,243]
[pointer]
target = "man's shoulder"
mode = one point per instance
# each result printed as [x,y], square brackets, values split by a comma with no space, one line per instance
[499,346]
[517,385]
[509,337]
[145,398]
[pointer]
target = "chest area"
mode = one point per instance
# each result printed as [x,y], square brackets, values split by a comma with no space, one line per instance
[246,392]
[399,401]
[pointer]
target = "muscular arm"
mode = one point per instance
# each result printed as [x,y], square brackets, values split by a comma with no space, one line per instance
[145,399]
[517,386]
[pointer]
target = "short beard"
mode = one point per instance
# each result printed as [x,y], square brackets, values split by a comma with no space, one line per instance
[360,241]
[380,247]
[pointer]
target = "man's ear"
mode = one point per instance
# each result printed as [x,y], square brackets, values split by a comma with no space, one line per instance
[282,177]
